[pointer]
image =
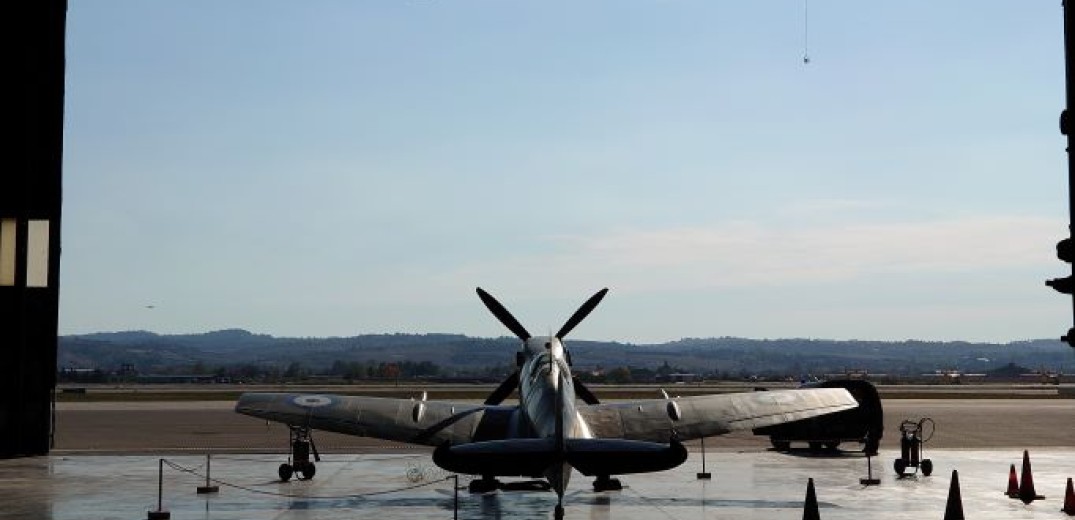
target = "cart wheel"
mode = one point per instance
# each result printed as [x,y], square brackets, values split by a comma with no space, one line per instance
[900,465]
[927,467]
[308,471]
[285,472]
[781,445]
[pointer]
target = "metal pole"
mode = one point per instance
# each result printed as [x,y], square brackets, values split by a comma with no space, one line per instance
[1066,127]
[160,483]
[704,475]
[208,488]
[455,499]
[160,513]
[703,454]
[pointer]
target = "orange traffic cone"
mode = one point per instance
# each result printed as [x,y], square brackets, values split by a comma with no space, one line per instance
[1013,484]
[1069,500]
[1026,482]
[954,509]
[810,511]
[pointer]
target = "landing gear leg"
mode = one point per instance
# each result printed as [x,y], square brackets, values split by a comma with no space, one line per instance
[302,444]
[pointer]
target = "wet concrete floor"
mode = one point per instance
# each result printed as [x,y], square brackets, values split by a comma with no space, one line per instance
[752,484]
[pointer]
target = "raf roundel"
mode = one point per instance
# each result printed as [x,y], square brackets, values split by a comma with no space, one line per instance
[312,401]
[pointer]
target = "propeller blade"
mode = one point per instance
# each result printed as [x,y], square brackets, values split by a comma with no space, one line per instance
[504,390]
[584,393]
[581,314]
[503,315]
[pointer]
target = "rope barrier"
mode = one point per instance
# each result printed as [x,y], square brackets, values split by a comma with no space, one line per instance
[262,457]
[180,468]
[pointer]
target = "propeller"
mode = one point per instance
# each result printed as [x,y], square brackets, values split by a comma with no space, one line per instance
[503,315]
[584,310]
[504,390]
[508,385]
[584,393]
[581,314]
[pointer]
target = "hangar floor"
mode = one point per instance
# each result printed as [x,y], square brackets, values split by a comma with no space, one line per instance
[749,484]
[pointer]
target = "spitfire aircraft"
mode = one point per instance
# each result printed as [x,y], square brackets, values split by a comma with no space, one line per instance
[549,432]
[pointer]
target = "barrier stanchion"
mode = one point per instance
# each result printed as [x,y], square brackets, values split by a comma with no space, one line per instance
[704,475]
[160,513]
[208,488]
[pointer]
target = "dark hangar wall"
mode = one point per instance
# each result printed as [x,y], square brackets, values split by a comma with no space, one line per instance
[30,197]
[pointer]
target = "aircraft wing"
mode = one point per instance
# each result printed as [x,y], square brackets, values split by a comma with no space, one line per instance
[430,423]
[706,415]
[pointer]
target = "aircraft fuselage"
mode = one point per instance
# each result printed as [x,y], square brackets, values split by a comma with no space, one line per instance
[547,398]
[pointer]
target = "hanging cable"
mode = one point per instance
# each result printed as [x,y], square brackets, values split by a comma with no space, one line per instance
[806,31]
[177,467]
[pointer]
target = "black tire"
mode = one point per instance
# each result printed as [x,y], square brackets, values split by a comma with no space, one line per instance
[479,485]
[900,466]
[927,467]
[307,471]
[815,446]
[607,484]
[832,445]
[285,471]
[781,445]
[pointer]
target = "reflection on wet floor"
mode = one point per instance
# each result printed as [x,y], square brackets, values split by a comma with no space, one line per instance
[745,485]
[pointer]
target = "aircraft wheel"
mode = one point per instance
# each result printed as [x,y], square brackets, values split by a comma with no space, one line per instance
[285,472]
[781,445]
[900,466]
[927,467]
[607,484]
[815,446]
[831,446]
[307,471]
[482,485]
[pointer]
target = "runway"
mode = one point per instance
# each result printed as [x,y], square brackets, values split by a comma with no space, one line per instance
[753,484]
[186,426]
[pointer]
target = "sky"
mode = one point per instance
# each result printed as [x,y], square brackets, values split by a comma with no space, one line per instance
[336,168]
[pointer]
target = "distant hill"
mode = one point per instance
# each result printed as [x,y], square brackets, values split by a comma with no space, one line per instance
[733,357]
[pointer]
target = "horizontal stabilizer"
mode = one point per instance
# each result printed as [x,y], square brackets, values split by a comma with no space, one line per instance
[504,458]
[620,457]
[530,457]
